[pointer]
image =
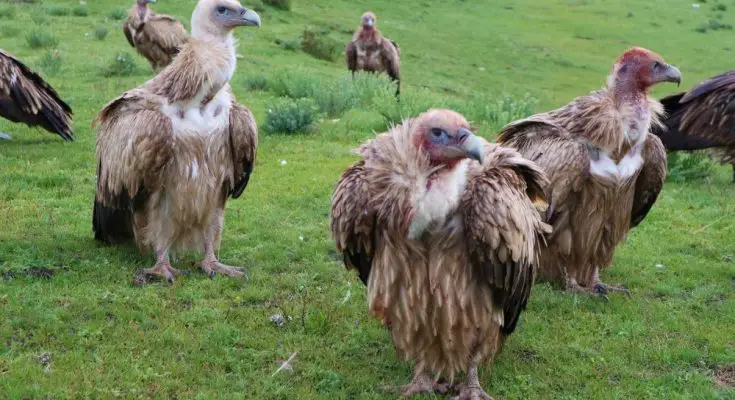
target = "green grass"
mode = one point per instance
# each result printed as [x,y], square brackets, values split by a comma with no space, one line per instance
[87,332]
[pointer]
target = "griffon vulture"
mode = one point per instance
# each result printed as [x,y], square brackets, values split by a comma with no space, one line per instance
[605,170]
[171,152]
[443,230]
[702,118]
[25,97]
[156,37]
[370,51]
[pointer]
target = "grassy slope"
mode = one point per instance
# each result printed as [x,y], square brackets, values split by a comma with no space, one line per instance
[212,338]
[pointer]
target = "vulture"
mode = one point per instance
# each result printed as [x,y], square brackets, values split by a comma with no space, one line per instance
[605,169]
[25,97]
[443,229]
[371,52]
[156,37]
[172,151]
[702,118]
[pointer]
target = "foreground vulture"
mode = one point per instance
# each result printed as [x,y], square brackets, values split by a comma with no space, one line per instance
[443,230]
[604,167]
[25,97]
[171,152]
[702,118]
[156,37]
[371,52]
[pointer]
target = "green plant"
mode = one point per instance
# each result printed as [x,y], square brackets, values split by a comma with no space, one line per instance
[7,12]
[498,111]
[100,32]
[256,83]
[410,105]
[290,116]
[289,44]
[51,62]
[122,65]
[56,10]
[688,166]
[319,45]
[81,10]
[280,4]
[9,31]
[118,14]
[38,38]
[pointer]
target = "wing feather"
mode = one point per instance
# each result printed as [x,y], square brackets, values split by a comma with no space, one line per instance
[650,180]
[351,55]
[243,143]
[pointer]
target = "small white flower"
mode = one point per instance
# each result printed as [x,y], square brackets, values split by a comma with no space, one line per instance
[482,68]
[283,162]
[301,238]
[659,266]
[695,6]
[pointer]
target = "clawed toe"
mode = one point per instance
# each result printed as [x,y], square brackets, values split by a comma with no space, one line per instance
[161,271]
[212,268]
[471,393]
[423,385]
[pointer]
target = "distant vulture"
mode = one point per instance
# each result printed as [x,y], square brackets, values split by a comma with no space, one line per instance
[444,230]
[371,52]
[605,170]
[702,118]
[25,97]
[156,37]
[171,152]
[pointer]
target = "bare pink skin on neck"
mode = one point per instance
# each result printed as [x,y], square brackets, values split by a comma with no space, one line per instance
[368,33]
[142,10]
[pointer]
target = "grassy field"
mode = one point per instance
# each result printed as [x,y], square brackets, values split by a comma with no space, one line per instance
[72,324]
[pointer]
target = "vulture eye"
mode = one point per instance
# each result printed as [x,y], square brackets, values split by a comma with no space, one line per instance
[437,132]
[657,66]
[222,10]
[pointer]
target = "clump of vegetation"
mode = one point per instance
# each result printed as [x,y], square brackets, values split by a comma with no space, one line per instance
[320,45]
[410,105]
[40,38]
[7,12]
[290,116]
[118,15]
[122,65]
[256,5]
[719,7]
[295,84]
[51,62]
[56,10]
[280,4]
[100,32]
[39,18]
[498,112]
[256,83]
[289,44]
[712,25]
[688,166]
[81,10]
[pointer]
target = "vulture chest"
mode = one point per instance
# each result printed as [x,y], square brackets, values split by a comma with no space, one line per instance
[369,57]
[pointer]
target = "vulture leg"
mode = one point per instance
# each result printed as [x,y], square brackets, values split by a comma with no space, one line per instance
[5,136]
[472,389]
[163,267]
[210,265]
[420,384]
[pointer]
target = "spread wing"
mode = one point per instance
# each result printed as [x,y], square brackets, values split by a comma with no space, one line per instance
[706,114]
[352,222]
[243,143]
[503,227]
[564,160]
[391,58]
[351,55]
[25,97]
[650,180]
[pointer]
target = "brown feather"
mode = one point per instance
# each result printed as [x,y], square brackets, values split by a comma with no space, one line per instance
[157,37]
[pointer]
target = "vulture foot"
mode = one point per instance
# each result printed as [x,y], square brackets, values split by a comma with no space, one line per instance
[212,268]
[468,392]
[5,136]
[421,384]
[162,270]
[603,289]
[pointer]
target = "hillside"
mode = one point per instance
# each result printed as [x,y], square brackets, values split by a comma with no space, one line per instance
[72,324]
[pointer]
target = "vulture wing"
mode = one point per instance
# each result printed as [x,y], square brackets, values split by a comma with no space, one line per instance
[351,55]
[503,227]
[127,30]
[165,36]
[565,161]
[391,59]
[705,114]
[352,222]
[134,143]
[25,97]
[243,143]
[650,180]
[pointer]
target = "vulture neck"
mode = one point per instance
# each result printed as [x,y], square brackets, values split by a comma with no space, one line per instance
[142,11]
[627,91]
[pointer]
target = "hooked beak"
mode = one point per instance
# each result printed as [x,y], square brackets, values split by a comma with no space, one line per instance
[150,1]
[471,145]
[369,22]
[249,18]
[670,74]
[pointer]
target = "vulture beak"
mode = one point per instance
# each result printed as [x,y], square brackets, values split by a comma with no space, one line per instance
[470,145]
[670,74]
[150,1]
[249,18]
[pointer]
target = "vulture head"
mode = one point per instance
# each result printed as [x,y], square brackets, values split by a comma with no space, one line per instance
[219,17]
[446,137]
[369,20]
[144,3]
[639,69]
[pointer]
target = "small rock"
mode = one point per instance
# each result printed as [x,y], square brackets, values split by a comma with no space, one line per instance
[278,320]
[45,359]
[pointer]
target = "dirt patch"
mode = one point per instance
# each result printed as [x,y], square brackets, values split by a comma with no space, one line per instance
[40,272]
[725,376]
